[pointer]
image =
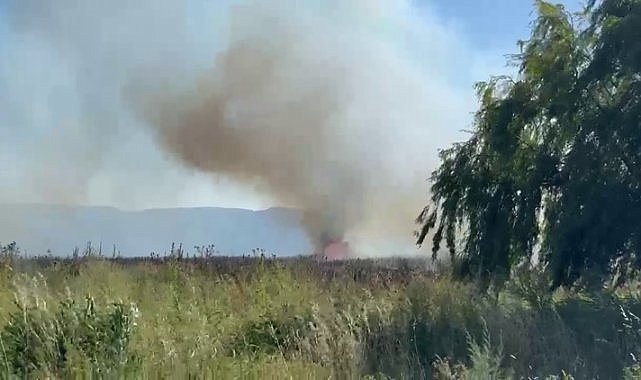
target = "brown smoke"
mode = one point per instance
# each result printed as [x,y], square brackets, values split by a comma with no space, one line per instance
[334,106]
[293,109]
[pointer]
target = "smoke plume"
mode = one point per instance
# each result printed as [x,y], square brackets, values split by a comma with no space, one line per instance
[335,107]
[309,108]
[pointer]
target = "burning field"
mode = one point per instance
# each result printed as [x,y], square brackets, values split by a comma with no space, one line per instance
[305,113]
[336,250]
[303,105]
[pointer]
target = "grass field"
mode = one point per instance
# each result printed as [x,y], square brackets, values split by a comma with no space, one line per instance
[214,317]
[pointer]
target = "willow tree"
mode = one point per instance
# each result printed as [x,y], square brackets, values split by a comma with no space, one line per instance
[552,169]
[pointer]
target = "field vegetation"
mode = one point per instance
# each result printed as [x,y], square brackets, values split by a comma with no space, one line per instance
[263,317]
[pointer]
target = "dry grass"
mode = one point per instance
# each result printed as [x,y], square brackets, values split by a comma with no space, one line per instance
[266,318]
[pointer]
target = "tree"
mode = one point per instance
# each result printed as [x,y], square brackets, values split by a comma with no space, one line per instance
[552,170]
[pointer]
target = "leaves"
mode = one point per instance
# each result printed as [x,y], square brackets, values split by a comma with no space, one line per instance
[554,160]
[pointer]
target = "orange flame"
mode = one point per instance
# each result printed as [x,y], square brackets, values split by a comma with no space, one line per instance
[336,250]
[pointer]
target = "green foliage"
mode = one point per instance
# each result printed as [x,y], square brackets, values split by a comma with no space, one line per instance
[273,335]
[36,341]
[8,254]
[551,170]
[485,363]
[531,284]
[229,318]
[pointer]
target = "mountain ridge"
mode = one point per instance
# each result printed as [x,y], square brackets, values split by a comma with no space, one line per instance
[59,228]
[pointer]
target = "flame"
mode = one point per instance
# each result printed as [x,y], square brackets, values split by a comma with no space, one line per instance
[336,250]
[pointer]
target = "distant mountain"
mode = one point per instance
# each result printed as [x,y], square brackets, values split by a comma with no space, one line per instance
[39,228]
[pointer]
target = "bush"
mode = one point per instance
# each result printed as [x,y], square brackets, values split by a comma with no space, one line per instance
[485,363]
[36,341]
[280,335]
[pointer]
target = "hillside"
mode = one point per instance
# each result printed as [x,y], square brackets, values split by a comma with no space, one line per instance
[38,228]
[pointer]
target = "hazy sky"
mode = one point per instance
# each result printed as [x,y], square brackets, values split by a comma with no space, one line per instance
[67,135]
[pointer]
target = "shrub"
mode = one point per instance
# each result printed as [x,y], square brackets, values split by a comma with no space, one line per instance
[273,335]
[37,341]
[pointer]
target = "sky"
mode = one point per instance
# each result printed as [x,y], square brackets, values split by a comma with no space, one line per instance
[67,135]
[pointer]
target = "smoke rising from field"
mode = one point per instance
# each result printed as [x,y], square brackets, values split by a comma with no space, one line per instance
[309,107]
[333,107]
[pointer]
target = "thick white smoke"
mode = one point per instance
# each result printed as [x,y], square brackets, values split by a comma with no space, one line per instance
[335,107]
[316,109]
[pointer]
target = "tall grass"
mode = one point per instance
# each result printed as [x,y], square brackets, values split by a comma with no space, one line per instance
[267,318]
